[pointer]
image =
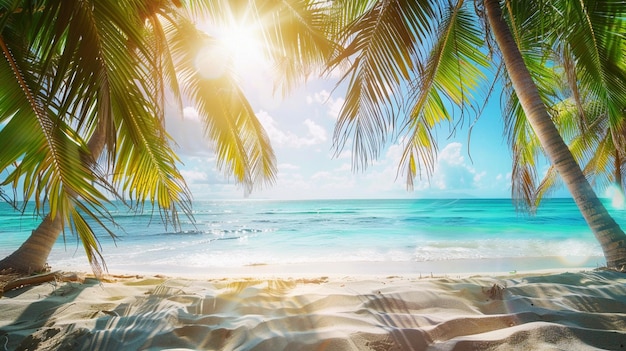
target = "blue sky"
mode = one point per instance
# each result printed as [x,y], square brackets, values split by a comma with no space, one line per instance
[301,127]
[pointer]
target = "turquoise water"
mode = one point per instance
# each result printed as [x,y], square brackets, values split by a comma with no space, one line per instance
[243,233]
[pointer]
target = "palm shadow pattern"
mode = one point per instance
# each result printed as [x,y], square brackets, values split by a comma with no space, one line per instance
[401,313]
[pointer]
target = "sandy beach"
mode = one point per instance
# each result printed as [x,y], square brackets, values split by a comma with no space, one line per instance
[575,310]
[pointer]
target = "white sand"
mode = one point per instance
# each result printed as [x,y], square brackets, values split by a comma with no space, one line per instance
[556,311]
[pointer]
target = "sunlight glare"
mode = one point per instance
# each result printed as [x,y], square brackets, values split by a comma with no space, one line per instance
[616,195]
[238,47]
[574,261]
[211,61]
[242,48]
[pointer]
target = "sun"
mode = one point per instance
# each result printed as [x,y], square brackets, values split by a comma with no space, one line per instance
[244,46]
[237,45]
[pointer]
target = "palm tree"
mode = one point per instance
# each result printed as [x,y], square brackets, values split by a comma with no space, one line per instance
[419,58]
[595,140]
[82,104]
[596,145]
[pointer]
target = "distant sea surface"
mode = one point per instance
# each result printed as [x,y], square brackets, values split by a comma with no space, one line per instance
[250,233]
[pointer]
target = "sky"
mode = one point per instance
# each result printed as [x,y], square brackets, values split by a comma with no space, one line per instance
[300,127]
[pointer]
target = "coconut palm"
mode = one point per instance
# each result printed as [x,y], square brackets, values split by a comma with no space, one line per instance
[410,62]
[596,145]
[83,100]
[597,142]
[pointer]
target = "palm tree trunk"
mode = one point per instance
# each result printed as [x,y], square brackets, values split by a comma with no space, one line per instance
[607,232]
[32,255]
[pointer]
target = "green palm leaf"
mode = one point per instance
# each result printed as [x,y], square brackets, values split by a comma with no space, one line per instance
[587,73]
[450,76]
[595,34]
[383,45]
[93,88]
[528,23]
[295,33]
[241,145]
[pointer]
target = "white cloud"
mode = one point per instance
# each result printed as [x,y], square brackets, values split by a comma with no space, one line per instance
[451,155]
[346,167]
[320,97]
[191,114]
[333,104]
[187,132]
[316,134]
[452,172]
[394,153]
[335,107]
[479,176]
[301,133]
[345,154]
[316,131]
[288,166]
[321,175]
[193,176]
[453,175]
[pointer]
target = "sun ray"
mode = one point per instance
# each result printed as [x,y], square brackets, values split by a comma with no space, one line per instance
[239,46]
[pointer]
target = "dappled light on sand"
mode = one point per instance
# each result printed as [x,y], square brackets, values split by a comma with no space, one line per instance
[568,311]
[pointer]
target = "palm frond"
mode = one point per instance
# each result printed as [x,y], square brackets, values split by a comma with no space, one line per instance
[384,45]
[241,144]
[298,38]
[295,33]
[525,152]
[575,52]
[164,71]
[131,102]
[594,32]
[591,146]
[530,22]
[450,76]
[90,66]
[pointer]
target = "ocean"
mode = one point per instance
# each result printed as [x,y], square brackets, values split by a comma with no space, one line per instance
[338,236]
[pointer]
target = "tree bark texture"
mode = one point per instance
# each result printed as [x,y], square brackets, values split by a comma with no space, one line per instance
[606,230]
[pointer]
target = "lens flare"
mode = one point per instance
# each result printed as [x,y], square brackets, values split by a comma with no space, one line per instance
[616,195]
[244,46]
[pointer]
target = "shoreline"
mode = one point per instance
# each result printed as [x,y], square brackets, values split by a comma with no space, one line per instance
[456,268]
[304,307]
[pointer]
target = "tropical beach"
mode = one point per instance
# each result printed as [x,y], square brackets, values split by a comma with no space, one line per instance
[312,175]
[258,276]
[577,310]
[341,236]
